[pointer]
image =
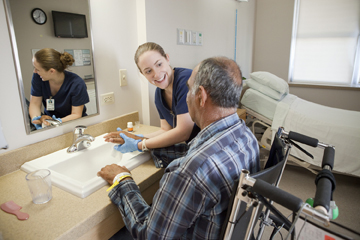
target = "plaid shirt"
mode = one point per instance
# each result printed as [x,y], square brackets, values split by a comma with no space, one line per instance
[194,192]
[164,156]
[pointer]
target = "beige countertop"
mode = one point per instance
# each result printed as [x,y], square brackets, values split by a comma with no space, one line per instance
[66,216]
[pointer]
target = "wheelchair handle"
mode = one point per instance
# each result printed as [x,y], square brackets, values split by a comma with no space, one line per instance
[298,137]
[313,142]
[289,201]
[328,157]
[277,195]
[325,181]
[323,194]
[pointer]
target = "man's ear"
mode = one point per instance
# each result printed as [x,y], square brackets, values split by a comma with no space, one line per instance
[202,96]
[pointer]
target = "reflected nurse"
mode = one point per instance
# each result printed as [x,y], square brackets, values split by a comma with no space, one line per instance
[63,94]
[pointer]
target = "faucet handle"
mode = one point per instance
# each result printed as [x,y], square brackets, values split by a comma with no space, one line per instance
[79,129]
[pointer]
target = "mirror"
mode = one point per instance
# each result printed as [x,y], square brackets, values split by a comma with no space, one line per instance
[29,35]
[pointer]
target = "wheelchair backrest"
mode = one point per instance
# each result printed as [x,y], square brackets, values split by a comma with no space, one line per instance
[271,173]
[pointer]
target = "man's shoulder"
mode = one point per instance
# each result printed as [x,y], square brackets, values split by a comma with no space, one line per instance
[224,143]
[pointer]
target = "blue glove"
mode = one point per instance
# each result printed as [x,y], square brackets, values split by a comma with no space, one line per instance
[130,144]
[55,118]
[37,126]
[139,135]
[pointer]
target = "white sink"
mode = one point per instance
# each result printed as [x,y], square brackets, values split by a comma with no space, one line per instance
[76,172]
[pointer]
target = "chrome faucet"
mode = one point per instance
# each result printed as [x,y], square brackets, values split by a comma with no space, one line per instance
[81,140]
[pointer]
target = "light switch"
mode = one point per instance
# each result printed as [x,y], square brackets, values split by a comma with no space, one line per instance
[181,36]
[187,37]
[123,77]
[199,38]
[193,38]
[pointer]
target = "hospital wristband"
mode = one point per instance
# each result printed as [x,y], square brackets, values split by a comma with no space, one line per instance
[143,146]
[119,178]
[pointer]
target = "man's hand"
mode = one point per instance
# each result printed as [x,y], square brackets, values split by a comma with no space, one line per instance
[41,120]
[115,137]
[36,120]
[109,172]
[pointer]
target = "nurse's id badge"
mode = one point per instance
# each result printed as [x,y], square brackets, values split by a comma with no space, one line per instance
[50,104]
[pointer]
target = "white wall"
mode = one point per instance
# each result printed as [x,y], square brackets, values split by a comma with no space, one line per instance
[214,18]
[116,38]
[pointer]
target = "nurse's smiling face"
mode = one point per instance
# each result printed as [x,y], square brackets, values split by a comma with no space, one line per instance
[44,75]
[156,69]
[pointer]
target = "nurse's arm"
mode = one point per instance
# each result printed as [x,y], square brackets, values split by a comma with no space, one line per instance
[170,136]
[34,111]
[35,106]
[76,112]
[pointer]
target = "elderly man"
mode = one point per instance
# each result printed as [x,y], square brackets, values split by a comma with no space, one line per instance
[194,192]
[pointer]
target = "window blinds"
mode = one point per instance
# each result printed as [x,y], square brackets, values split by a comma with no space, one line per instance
[326,41]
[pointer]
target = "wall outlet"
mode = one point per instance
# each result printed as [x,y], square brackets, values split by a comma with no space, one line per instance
[107,98]
[123,77]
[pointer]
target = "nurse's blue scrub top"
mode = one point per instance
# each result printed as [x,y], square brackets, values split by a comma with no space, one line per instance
[179,105]
[72,92]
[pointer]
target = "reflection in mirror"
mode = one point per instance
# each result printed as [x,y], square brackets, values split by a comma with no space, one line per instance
[60,25]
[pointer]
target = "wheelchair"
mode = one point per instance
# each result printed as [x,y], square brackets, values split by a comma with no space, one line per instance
[252,198]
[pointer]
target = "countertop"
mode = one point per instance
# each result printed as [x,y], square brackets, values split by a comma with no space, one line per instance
[66,216]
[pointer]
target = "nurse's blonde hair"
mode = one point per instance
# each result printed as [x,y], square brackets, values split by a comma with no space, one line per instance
[149,46]
[50,58]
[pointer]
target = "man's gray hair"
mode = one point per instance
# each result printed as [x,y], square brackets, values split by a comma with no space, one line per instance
[222,79]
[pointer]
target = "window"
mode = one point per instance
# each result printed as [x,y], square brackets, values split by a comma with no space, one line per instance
[325,46]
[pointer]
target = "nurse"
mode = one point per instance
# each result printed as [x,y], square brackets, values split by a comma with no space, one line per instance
[62,93]
[170,100]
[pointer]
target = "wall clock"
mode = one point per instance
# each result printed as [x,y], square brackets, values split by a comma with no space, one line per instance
[39,16]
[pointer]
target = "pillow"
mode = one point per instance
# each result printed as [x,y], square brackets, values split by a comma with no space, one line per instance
[264,89]
[271,81]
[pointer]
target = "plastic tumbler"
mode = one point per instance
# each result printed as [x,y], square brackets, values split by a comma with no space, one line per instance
[39,183]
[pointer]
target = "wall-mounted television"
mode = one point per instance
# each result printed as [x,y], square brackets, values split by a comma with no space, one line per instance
[69,25]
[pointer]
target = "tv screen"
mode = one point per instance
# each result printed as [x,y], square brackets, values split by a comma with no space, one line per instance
[69,25]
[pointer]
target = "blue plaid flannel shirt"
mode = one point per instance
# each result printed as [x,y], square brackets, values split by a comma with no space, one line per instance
[194,192]
[164,156]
